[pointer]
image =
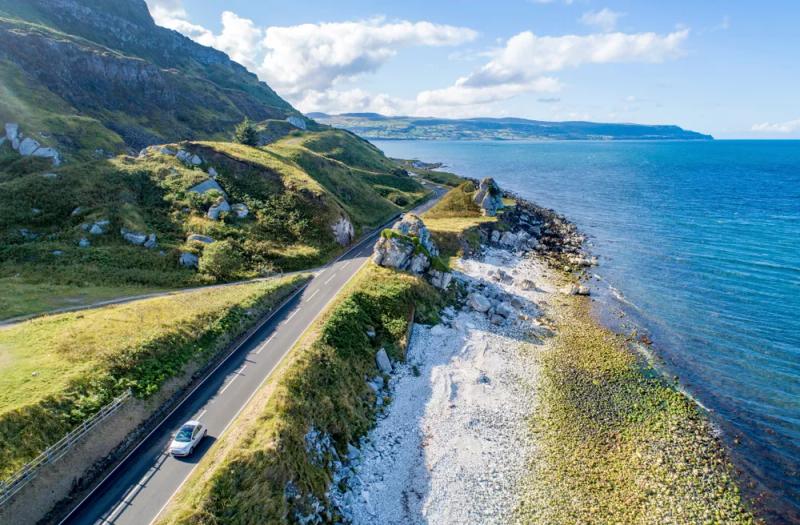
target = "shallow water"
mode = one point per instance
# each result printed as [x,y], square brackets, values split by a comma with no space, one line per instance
[699,242]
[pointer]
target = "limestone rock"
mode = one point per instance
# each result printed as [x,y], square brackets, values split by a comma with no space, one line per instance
[504,309]
[84,242]
[12,131]
[200,238]
[99,227]
[188,260]
[343,231]
[412,226]
[393,252]
[48,153]
[479,303]
[495,236]
[206,186]
[508,239]
[212,173]
[489,197]
[383,362]
[440,279]
[28,146]
[419,263]
[151,241]
[241,210]
[135,238]
[215,210]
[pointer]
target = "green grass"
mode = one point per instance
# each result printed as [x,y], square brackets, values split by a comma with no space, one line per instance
[21,298]
[245,478]
[56,371]
[456,203]
[617,444]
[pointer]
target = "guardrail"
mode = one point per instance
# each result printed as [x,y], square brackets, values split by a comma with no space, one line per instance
[56,451]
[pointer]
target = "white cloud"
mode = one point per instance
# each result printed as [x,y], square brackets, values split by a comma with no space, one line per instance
[316,56]
[604,19]
[778,127]
[520,66]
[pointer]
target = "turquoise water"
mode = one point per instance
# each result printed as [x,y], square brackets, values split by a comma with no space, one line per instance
[699,242]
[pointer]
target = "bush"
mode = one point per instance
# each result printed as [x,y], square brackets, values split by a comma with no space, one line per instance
[245,133]
[222,259]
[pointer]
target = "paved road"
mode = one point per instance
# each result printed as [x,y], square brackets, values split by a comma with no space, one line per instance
[140,487]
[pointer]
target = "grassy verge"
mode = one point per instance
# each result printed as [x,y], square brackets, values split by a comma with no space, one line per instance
[56,371]
[267,469]
[23,298]
[616,444]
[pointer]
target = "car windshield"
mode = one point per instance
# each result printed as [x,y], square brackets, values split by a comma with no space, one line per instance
[184,434]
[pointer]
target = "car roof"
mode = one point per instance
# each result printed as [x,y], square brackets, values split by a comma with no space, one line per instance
[191,423]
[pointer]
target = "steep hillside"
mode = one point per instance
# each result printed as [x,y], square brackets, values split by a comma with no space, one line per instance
[375,126]
[89,77]
[115,173]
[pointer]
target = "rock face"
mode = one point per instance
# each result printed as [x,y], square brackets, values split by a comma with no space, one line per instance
[297,122]
[489,197]
[408,246]
[343,231]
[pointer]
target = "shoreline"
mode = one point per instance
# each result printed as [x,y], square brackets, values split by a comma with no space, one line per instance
[707,487]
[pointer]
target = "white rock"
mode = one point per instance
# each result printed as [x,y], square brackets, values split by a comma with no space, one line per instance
[383,362]
[297,122]
[136,238]
[504,309]
[343,231]
[195,160]
[189,260]
[212,172]
[440,279]
[200,238]
[151,241]
[495,236]
[206,186]
[84,242]
[479,303]
[96,229]
[241,210]
[12,130]
[28,146]
[508,239]
[48,153]
[215,210]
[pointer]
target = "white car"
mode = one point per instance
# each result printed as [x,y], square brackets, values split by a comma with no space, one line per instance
[187,438]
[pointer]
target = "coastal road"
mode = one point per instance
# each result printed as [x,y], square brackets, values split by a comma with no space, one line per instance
[139,488]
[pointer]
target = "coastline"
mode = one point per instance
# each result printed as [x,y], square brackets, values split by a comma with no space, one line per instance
[609,438]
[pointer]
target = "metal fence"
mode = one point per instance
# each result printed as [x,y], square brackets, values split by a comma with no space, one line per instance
[12,485]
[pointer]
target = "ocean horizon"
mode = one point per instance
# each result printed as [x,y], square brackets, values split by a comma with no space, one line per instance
[698,248]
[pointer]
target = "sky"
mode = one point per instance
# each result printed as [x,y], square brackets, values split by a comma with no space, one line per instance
[725,67]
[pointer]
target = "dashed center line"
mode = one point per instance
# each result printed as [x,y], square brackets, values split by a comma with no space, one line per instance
[290,316]
[312,295]
[236,375]
[264,345]
[201,414]
[330,278]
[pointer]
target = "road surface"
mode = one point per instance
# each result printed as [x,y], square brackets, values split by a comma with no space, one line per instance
[139,488]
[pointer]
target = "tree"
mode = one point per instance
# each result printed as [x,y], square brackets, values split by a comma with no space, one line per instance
[245,133]
[222,259]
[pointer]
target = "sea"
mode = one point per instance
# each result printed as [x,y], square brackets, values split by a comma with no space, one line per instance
[699,246]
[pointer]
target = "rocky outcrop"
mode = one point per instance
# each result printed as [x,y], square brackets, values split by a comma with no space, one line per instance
[206,186]
[241,210]
[27,146]
[297,122]
[489,197]
[196,237]
[408,246]
[343,231]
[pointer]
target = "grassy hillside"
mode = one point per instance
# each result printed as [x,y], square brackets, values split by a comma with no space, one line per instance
[294,195]
[321,392]
[57,370]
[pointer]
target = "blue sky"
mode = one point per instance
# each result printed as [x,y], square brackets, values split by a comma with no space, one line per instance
[729,68]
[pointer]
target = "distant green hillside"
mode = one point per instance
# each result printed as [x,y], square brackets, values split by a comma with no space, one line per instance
[373,126]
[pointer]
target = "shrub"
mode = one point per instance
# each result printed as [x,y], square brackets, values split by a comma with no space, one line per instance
[222,259]
[246,133]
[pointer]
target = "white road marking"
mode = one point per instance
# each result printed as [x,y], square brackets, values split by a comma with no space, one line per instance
[290,316]
[330,278]
[202,413]
[312,295]
[264,345]
[235,375]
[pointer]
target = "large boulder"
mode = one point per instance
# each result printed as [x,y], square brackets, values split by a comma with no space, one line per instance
[440,279]
[489,197]
[412,226]
[393,252]
[479,303]
[189,260]
[383,362]
[27,146]
[135,238]
[241,210]
[206,186]
[205,239]
[297,122]
[343,231]
[12,131]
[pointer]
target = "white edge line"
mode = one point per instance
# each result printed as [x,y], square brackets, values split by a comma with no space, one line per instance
[256,391]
